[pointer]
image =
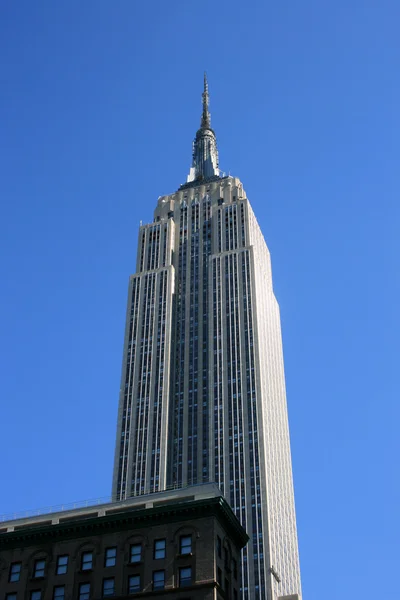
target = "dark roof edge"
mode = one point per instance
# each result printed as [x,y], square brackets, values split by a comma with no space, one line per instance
[128,519]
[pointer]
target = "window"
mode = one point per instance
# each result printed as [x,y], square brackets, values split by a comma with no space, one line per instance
[185,576]
[59,592]
[219,576]
[87,561]
[219,546]
[159,549]
[185,544]
[39,568]
[36,595]
[136,553]
[15,572]
[12,596]
[226,558]
[134,584]
[84,591]
[109,586]
[234,568]
[62,565]
[158,580]
[111,557]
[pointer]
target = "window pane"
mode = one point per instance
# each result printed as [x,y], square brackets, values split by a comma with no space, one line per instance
[134,584]
[185,576]
[11,596]
[186,544]
[136,553]
[36,595]
[111,557]
[234,568]
[158,580]
[62,565]
[15,572]
[87,560]
[84,591]
[108,587]
[159,549]
[59,592]
[39,568]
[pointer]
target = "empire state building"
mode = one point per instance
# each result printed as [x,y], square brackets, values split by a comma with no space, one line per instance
[203,389]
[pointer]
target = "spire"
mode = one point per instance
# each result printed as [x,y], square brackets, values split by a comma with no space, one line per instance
[205,117]
[205,152]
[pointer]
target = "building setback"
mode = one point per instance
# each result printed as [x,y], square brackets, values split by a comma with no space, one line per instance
[179,545]
[203,390]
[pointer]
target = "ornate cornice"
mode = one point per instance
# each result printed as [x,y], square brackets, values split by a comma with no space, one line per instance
[125,519]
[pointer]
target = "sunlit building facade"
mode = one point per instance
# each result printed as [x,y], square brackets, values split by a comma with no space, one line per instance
[203,389]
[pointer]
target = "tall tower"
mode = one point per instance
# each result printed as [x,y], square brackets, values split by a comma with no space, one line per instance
[203,389]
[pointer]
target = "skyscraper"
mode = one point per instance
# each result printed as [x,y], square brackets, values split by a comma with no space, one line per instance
[203,389]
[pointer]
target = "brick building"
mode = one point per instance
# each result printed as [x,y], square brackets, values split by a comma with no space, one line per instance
[183,545]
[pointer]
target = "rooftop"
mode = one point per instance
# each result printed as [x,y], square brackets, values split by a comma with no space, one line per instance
[134,512]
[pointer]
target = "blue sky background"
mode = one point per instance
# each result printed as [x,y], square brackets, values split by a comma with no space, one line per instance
[100,102]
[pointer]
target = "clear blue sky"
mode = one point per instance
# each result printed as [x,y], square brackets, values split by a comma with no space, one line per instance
[99,105]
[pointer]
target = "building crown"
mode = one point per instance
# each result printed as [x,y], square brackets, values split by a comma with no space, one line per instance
[205,153]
